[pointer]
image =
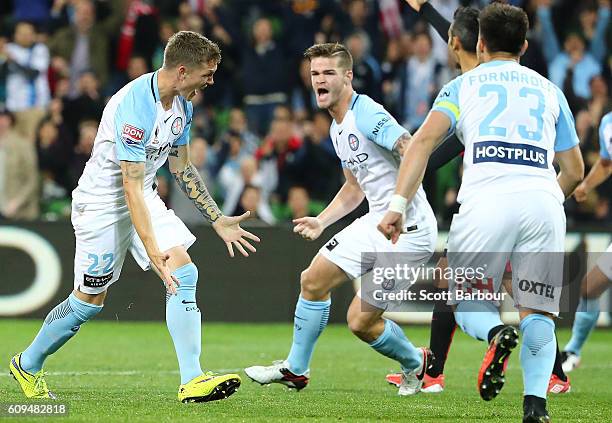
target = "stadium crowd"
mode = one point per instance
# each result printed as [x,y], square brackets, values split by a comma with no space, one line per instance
[257,137]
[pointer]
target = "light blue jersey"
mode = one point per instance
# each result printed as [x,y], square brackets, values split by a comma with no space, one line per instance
[605,137]
[511,121]
[364,142]
[134,127]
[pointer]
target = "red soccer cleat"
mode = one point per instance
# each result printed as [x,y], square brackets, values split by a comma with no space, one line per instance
[433,385]
[492,371]
[557,386]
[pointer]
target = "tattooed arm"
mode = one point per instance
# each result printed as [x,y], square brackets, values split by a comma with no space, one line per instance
[189,180]
[133,181]
[191,183]
[401,144]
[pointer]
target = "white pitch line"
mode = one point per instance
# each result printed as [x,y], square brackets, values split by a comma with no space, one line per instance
[123,373]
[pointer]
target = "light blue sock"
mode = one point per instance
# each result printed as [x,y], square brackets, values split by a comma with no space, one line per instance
[584,322]
[393,343]
[185,322]
[61,324]
[310,319]
[477,318]
[538,353]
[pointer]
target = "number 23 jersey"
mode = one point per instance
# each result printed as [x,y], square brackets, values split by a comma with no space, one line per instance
[512,121]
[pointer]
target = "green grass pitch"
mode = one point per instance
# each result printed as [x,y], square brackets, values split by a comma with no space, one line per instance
[120,371]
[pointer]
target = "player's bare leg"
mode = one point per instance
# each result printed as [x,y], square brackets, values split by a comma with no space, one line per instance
[311,316]
[388,339]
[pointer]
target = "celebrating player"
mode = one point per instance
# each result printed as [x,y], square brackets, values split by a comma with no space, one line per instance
[513,123]
[115,207]
[367,140]
[461,38]
[598,279]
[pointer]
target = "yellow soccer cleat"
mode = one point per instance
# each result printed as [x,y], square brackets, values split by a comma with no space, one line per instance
[32,385]
[209,387]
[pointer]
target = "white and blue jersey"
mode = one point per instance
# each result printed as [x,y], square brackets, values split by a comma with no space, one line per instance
[605,137]
[134,127]
[364,142]
[511,121]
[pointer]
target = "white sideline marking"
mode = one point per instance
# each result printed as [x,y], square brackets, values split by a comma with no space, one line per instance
[123,373]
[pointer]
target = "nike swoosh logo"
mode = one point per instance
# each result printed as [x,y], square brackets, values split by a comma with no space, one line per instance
[340,132]
[188,302]
[168,118]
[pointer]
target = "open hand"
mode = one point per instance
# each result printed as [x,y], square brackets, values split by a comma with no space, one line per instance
[229,230]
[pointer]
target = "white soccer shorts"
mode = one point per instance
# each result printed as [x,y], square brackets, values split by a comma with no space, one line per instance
[527,228]
[104,236]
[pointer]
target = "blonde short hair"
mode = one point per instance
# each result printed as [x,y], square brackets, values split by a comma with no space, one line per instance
[190,49]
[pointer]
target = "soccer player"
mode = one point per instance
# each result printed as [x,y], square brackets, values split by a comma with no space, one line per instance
[461,37]
[598,279]
[367,140]
[116,208]
[513,123]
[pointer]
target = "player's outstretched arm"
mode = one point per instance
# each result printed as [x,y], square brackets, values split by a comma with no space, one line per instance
[133,181]
[346,200]
[571,171]
[411,171]
[439,22]
[601,170]
[189,180]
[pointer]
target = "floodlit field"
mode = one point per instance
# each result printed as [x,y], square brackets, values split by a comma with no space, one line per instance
[120,372]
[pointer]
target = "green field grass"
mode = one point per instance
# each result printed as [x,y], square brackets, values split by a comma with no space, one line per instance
[119,372]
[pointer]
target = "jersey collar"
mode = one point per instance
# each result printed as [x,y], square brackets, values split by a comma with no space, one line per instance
[154,87]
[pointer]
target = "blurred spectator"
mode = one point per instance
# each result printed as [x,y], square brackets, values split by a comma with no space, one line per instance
[138,34]
[166,30]
[54,156]
[315,164]
[137,66]
[419,83]
[249,175]
[85,45]
[250,200]
[390,68]
[362,17]
[278,149]
[88,105]
[299,205]
[585,64]
[82,151]
[238,124]
[18,172]
[303,100]
[229,160]
[367,76]
[27,88]
[264,77]
[34,11]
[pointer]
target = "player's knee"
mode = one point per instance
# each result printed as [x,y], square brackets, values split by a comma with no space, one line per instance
[360,326]
[312,286]
[187,276]
[82,310]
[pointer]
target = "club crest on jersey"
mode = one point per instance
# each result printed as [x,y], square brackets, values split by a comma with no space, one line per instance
[131,134]
[177,126]
[353,142]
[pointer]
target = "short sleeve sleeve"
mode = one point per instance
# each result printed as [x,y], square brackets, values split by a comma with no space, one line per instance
[132,129]
[566,137]
[447,102]
[376,123]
